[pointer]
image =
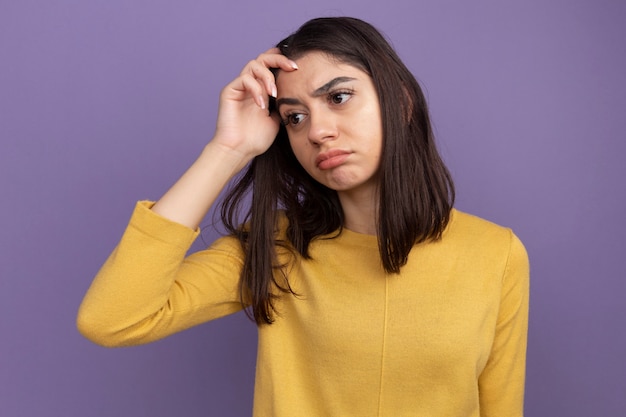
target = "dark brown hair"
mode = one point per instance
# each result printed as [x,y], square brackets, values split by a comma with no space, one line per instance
[416,192]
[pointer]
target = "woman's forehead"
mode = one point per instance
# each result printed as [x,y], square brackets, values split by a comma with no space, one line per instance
[315,70]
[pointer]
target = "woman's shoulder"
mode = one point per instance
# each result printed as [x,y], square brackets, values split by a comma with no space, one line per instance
[466,222]
[484,244]
[473,230]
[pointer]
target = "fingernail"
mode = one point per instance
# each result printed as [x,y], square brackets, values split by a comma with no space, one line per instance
[262,101]
[293,64]
[274,92]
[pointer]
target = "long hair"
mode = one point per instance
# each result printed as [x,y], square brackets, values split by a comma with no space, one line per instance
[416,192]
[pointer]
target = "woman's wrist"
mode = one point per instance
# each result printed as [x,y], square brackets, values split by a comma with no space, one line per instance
[191,197]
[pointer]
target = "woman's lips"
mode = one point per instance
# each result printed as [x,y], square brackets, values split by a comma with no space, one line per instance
[331,159]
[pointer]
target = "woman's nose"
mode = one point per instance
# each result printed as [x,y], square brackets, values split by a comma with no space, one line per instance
[322,126]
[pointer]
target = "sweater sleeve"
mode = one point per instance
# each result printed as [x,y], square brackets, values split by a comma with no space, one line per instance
[147,289]
[501,384]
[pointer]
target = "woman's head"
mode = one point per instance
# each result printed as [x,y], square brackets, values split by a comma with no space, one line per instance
[357,43]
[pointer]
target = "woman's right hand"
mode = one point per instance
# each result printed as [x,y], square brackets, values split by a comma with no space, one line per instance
[244,123]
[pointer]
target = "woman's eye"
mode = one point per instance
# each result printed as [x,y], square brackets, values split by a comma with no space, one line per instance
[340,98]
[293,119]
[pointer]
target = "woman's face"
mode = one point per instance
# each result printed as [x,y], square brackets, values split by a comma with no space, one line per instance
[332,116]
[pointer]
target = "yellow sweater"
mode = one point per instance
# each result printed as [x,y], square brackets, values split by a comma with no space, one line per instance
[445,338]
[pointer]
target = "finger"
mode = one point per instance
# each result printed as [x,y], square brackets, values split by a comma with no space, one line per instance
[259,71]
[247,86]
[260,68]
[256,89]
[274,59]
[272,50]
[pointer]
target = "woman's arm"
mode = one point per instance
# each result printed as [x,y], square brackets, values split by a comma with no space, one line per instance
[147,289]
[501,384]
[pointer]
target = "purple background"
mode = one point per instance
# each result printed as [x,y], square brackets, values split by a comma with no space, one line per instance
[104,103]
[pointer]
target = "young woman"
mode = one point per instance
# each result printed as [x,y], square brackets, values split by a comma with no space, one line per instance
[372,295]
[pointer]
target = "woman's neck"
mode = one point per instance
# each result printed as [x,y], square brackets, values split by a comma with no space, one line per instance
[359,211]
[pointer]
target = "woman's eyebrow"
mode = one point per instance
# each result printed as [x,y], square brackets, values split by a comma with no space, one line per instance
[329,85]
[318,92]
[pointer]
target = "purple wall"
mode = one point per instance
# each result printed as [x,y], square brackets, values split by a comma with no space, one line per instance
[105,103]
